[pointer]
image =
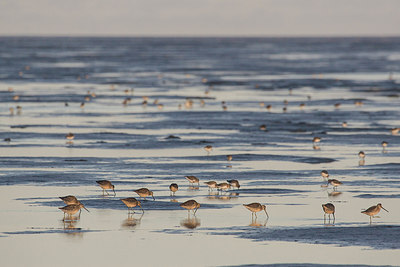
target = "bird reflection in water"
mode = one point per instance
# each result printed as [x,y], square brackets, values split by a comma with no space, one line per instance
[71,230]
[223,196]
[258,223]
[192,187]
[334,194]
[131,222]
[190,222]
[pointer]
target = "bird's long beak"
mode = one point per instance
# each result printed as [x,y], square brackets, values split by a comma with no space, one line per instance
[195,210]
[86,209]
[266,213]
[384,209]
[153,197]
[114,192]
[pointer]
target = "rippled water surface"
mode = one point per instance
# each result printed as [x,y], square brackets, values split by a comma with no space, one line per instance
[199,92]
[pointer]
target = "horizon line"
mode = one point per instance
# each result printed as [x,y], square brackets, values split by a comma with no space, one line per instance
[198,36]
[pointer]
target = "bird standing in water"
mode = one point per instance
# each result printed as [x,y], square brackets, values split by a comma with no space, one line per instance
[329,209]
[256,207]
[105,184]
[372,211]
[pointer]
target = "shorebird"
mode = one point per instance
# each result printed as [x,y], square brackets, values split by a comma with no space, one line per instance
[302,105]
[316,140]
[69,200]
[144,192]
[223,186]
[335,183]
[173,188]
[72,209]
[372,211]
[229,157]
[131,202]
[395,131]
[234,183]
[105,184]
[358,103]
[268,107]
[211,184]
[325,174]
[337,105]
[256,207]
[263,127]
[329,209]
[190,205]
[384,144]
[361,154]
[344,124]
[192,179]
[70,136]
[208,148]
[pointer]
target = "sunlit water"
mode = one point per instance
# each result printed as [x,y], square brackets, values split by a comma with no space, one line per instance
[129,145]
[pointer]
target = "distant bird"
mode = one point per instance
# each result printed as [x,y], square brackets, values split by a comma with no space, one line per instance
[105,184]
[256,207]
[329,209]
[229,157]
[131,202]
[302,105]
[384,144]
[325,174]
[72,209]
[234,183]
[361,154]
[372,211]
[223,186]
[190,205]
[268,107]
[70,136]
[316,139]
[211,185]
[335,183]
[337,105]
[395,131]
[192,179]
[344,124]
[358,103]
[208,148]
[144,192]
[263,127]
[173,188]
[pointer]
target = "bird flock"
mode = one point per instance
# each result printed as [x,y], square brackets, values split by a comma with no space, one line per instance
[74,205]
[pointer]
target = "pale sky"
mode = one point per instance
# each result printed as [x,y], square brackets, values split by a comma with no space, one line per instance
[201,17]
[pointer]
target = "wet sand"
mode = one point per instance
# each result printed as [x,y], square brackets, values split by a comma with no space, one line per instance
[129,145]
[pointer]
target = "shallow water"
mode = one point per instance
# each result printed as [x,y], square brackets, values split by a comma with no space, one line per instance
[138,146]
